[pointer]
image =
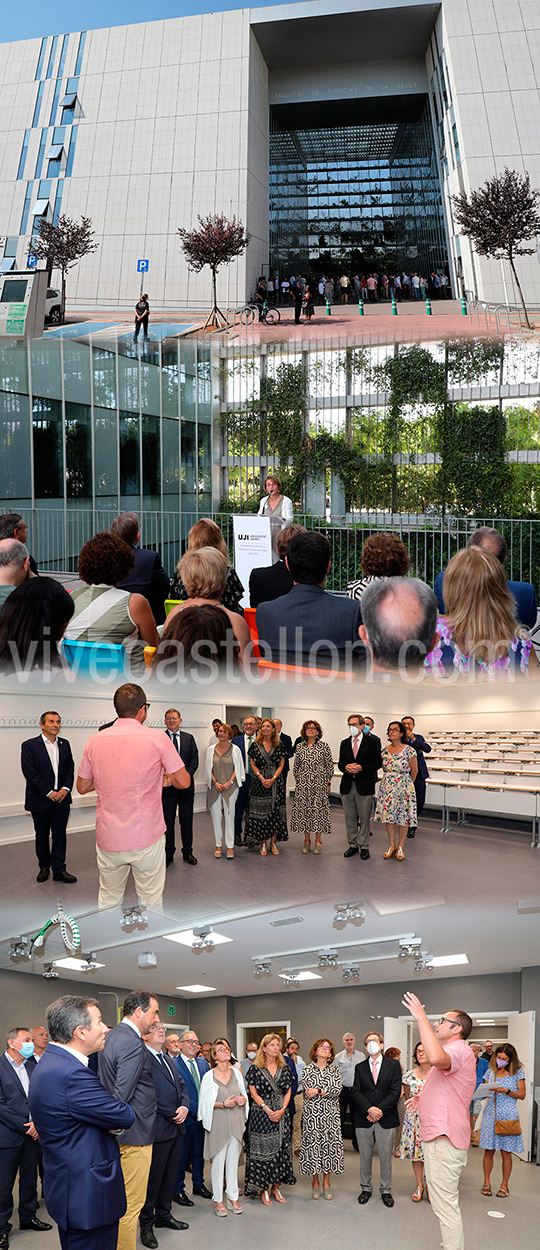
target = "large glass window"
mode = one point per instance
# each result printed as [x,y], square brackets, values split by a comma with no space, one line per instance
[15,459]
[104,366]
[63,54]
[130,461]
[47,440]
[82,41]
[50,66]
[79,452]
[41,57]
[106,454]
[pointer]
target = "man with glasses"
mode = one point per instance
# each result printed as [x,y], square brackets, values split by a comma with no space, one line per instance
[443,1112]
[192,1070]
[243,742]
[125,765]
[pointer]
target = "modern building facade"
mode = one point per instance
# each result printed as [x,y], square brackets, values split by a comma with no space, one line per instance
[336,130]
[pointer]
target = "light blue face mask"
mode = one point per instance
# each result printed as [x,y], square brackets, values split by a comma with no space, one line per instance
[366,729]
[27,1050]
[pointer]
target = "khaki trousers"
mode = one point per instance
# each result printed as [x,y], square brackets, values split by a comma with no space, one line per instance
[297,1121]
[135,1162]
[443,1165]
[148,868]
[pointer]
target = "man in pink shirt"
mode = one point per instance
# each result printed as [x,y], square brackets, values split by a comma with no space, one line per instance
[126,764]
[443,1112]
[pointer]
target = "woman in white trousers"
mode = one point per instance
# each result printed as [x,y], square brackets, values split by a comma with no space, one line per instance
[223,1111]
[224,774]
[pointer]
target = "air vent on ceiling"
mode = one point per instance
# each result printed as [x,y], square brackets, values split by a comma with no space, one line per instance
[278,924]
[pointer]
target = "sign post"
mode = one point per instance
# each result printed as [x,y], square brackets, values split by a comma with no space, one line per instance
[142,268]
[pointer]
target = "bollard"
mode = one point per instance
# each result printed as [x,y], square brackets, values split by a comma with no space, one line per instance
[361,307]
[328,308]
[394,306]
[464,305]
[428,306]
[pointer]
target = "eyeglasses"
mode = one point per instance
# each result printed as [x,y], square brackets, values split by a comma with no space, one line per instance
[445,1020]
[147,705]
[324,1046]
[227,1048]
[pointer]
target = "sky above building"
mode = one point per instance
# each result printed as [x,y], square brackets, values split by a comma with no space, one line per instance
[61,16]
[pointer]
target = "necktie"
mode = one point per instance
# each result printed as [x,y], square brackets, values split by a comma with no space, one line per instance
[195,1073]
[374,1070]
[176,741]
[355,746]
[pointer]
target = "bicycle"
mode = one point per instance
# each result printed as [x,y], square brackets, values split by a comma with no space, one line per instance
[249,313]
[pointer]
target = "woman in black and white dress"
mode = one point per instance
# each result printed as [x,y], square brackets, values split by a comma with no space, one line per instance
[321,1148]
[313,770]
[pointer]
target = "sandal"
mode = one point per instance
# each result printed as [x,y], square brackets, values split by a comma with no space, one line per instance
[230,854]
[315,1191]
[234,1206]
[317,848]
[306,847]
[400,853]
[263,852]
[217,855]
[265,1198]
[277,1194]
[220,1209]
[486,1191]
[327,1192]
[503,1192]
[274,851]
[418,1193]
[390,852]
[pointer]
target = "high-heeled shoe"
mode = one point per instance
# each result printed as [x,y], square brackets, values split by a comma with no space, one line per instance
[266,1199]
[218,852]
[400,853]
[277,1194]
[327,1192]
[220,1209]
[315,1191]
[234,1205]
[317,848]
[306,847]
[390,852]
[273,847]
[418,1193]
[263,849]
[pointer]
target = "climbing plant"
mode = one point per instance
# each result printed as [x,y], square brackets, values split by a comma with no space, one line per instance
[475,474]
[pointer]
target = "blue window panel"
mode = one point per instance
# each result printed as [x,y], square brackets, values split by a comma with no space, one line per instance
[50,66]
[59,134]
[41,154]
[41,58]
[71,153]
[82,42]
[26,207]
[44,188]
[10,248]
[37,107]
[58,202]
[72,85]
[24,153]
[54,167]
[56,97]
[63,54]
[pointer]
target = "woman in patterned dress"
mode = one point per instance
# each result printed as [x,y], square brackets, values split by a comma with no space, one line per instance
[205,533]
[507,1076]
[396,800]
[313,770]
[411,1145]
[321,1148]
[269,1141]
[266,820]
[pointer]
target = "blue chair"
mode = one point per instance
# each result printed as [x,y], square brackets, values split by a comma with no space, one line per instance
[95,659]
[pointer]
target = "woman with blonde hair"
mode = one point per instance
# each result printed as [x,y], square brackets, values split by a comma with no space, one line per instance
[223,1111]
[204,574]
[205,533]
[269,1141]
[224,774]
[267,811]
[479,630]
[276,506]
[321,1148]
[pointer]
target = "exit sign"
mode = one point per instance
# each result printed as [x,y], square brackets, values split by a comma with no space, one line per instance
[171,1011]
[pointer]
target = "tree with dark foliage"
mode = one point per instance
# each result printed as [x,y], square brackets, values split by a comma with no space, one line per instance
[218,241]
[63,245]
[500,218]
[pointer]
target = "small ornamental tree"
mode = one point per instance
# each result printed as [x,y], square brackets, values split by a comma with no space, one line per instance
[63,245]
[500,217]
[218,241]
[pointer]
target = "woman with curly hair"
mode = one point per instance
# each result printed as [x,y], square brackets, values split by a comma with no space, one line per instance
[383,555]
[313,770]
[205,533]
[103,612]
[321,1148]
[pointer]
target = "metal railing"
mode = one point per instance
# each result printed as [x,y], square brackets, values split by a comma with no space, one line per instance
[490,312]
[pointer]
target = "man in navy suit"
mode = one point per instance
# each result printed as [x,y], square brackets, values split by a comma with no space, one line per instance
[147,577]
[274,580]
[243,742]
[422,748]
[47,764]
[19,1147]
[375,1095]
[191,1070]
[77,1121]
[524,593]
[172,1108]
[359,761]
[180,800]
[309,625]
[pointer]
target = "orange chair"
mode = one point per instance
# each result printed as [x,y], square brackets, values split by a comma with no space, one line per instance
[249,617]
[308,672]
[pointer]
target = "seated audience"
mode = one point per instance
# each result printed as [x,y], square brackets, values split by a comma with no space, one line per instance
[206,533]
[204,575]
[103,612]
[198,639]
[12,525]
[383,555]
[524,593]
[14,566]
[274,580]
[309,625]
[400,618]
[147,577]
[32,622]
[479,630]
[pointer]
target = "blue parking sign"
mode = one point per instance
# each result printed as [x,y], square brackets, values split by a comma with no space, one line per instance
[142,266]
[31,262]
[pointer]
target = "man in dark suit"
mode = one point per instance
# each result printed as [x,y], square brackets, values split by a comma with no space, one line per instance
[287,743]
[20,1151]
[172,1109]
[191,1070]
[77,1122]
[180,800]
[274,580]
[309,625]
[375,1096]
[524,593]
[147,577]
[422,748]
[243,742]
[125,1069]
[47,764]
[359,761]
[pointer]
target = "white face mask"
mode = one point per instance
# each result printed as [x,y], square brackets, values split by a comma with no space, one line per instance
[252,1054]
[354,730]
[373,1048]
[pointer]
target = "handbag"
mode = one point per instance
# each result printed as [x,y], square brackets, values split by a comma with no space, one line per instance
[506,1128]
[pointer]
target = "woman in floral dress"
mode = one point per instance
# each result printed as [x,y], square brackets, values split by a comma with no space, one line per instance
[507,1076]
[313,770]
[396,800]
[411,1145]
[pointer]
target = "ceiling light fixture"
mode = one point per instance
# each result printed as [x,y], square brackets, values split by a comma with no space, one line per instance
[449,961]
[328,958]
[195,989]
[79,963]
[263,969]
[49,972]
[351,972]
[348,911]
[133,917]
[190,937]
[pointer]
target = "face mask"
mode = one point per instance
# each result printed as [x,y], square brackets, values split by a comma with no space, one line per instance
[373,1048]
[501,1063]
[27,1050]
[354,731]
[366,729]
[252,1054]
